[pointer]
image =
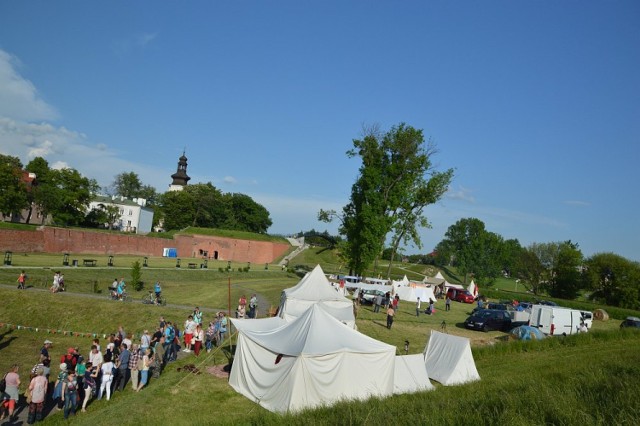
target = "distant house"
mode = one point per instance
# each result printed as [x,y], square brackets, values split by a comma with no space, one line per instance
[134,215]
[32,214]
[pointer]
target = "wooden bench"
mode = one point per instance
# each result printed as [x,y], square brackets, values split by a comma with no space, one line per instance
[192,265]
[89,262]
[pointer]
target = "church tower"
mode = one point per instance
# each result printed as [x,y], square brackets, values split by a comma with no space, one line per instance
[180,177]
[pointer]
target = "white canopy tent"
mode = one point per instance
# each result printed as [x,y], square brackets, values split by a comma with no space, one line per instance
[313,360]
[411,374]
[315,288]
[449,359]
[411,294]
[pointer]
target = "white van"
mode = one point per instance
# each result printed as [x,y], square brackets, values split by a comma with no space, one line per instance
[555,321]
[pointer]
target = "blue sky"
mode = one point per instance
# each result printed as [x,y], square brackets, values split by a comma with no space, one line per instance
[536,104]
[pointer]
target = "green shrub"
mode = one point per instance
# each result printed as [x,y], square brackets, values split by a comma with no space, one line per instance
[136,276]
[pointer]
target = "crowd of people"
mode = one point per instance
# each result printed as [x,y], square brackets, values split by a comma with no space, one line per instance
[106,369]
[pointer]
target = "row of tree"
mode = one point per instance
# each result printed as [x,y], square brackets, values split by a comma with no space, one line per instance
[557,268]
[63,195]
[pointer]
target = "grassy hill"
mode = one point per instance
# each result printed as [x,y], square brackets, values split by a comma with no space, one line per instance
[586,379]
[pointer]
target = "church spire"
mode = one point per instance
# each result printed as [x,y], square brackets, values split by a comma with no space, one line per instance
[180,177]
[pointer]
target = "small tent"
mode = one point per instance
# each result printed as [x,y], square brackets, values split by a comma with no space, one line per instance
[449,359]
[312,289]
[411,374]
[311,361]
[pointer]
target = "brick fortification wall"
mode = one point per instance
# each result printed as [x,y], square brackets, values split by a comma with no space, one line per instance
[60,240]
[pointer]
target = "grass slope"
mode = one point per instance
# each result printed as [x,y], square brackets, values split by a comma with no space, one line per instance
[586,379]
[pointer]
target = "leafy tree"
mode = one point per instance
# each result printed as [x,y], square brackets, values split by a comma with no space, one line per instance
[566,280]
[136,276]
[129,185]
[530,271]
[45,193]
[246,214]
[73,192]
[613,280]
[205,206]
[13,190]
[409,214]
[388,195]
[178,209]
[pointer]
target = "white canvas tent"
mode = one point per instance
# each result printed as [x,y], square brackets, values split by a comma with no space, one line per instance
[315,288]
[449,359]
[310,361]
[411,294]
[411,374]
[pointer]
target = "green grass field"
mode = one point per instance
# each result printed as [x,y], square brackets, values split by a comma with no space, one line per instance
[585,379]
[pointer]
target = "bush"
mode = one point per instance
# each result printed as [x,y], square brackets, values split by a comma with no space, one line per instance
[136,276]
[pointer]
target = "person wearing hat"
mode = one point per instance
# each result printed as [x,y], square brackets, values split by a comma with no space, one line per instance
[38,390]
[44,352]
[57,387]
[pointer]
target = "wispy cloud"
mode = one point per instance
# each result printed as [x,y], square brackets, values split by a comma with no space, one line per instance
[577,203]
[126,46]
[461,193]
[143,40]
[229,179]
[19,99]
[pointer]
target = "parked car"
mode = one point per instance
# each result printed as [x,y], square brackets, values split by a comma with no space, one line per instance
[489,319]
[369,296]
[460,295]
[632,322]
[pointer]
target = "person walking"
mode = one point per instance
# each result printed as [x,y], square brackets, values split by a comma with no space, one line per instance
[38,390]
[390,314]
[376,308]
[12,380]
[22,279]
[447,304]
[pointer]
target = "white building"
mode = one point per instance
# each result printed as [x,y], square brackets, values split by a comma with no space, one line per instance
[134,215]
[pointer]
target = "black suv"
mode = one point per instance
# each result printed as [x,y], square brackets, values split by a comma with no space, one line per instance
[489,319]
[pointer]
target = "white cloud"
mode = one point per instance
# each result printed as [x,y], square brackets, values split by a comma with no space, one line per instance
[229,179]
[143,39]
[140,41]
[19,99]
[461,193]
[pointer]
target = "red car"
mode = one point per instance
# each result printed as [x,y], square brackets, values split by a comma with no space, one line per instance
[460,295]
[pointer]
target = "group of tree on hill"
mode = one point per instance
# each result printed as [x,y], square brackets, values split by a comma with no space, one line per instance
[557,268]
[63,196]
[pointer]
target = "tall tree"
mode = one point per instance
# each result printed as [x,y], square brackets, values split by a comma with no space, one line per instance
[246,214]
[388,192]
[74,192]
[613,280]
[129,185]
[13,190]
[530,271]
[566,280]
[41,196]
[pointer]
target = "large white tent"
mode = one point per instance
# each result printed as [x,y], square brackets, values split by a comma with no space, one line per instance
[411,374]
[311,361]
[411,294]
[449,359]
[315,288]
